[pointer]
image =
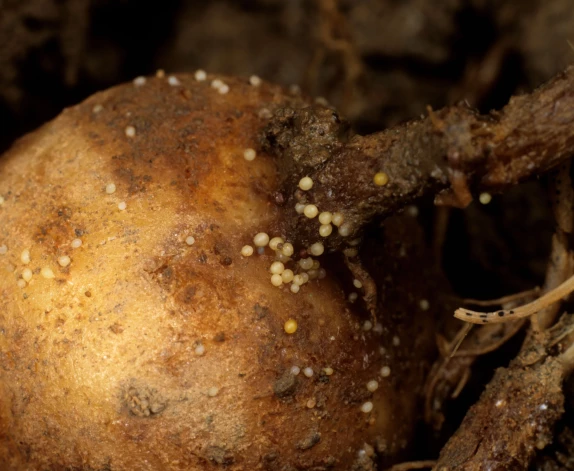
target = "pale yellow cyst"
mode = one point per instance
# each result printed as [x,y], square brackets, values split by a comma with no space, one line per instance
[190,240]
[287,276]
[306,263]
[27,275]
[299,208]
[367,407]
[122,206]
[255,80]
[357,284]
[385,371]
[3,249]
[317,249]
[372,386]
[273,243]
[337,219]
[294,287]
[130,131]
[345,230]
[325,217]
[276,280]
[287,249]
[311,211]
[97,108]
[277,268]
[200,75]
[76,243]
[290,326]
[160,73]
[25,257]
[47,273]
[381,179]
[306,183]
[2,200]
[249,154]
[328,371]
[261,239]
[110,188]
[64,261]
[325,230]
[305,277]
[485,198]
[212,392]
[247,251]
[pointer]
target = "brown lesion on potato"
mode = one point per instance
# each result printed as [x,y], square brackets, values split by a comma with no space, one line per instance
[144,401]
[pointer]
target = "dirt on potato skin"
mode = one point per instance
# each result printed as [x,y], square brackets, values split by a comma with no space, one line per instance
[116,336]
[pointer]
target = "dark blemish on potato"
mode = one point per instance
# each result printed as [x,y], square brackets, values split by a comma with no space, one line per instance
[261,311]
[285,385]
[309,442]
[144,402]
[219,337]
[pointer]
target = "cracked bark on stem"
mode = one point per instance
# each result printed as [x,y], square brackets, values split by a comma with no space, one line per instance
[451,153]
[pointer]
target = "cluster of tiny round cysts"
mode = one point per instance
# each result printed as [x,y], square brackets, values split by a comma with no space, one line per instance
[303,271]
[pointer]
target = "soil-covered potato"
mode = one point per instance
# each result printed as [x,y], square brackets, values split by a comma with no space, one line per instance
[134,335]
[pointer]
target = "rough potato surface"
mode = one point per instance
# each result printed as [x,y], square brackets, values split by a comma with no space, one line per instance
[147,353]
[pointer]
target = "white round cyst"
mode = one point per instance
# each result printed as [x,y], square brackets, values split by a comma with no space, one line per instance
[76,243]
[357,284]
[368,325]
[97,108]
[367,407]
[249,154]
[64,261]
[353,297]
[308,372]
[424,304]
[247,251]
[213,391]
[200,75]
[372,385]
[130,131]
[295,370]
[306,183]
[190,240]
[3,249]
[276,280]
[122,206]
[21,284]
[25,256]
[47,273]
[255,81]
[110,188]
[27,275]
[199,350]
[385,371]
[261,239]
[396,341]
[139,81]
[310,211]
[173,81]
[216,83]
[224,89]
[317,249]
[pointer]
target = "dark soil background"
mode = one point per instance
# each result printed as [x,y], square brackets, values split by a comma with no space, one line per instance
[380,62]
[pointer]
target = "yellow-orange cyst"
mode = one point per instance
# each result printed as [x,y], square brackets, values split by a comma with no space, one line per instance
[381,179]
[290,326]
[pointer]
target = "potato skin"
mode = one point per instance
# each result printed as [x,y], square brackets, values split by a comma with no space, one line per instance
[99,364]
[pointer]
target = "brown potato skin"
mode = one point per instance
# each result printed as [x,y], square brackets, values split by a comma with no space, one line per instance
[98,365]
